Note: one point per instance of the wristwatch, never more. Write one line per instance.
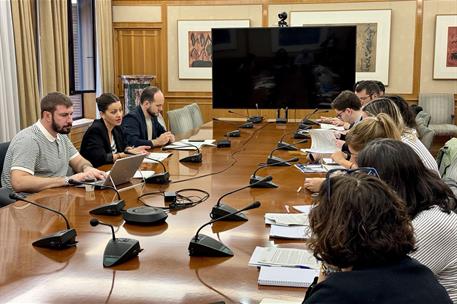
(66, 180)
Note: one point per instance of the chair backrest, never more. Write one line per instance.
(439, 105)
(3, 148)
(162, 121)
(180, 120)
(196, 114)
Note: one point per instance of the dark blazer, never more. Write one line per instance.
(96, 147)
(134, 125)
(405, 281)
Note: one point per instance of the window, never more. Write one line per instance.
(81, 39)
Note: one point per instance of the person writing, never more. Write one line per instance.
(362, 233)
(104, 143)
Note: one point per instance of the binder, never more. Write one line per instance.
(286, 276)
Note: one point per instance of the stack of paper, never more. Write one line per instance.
(290, 232)
(331, 127)
(310, 168)
(288, 257)
(287, 219)
(143, 174)
(286, 276)
(280, 301)
(187, 144)
(322, 141)
(305, 209)
(151, 157)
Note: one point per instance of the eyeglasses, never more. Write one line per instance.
(335, 172)
(338, 115)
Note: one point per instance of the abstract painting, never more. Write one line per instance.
(445, 63)
(195, 46)
(373, 37)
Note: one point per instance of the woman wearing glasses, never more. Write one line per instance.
(362, 227)
(429, 202)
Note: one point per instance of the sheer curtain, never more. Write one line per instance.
(9, 105)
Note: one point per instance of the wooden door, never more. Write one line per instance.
(137, 51)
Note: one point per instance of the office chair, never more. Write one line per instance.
(180, 120)
(4, 192)
(196, 114)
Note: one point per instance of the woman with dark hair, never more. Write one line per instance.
(405, 110)
(429, 202)
(103, 143)
(361, 227)
(408, 135)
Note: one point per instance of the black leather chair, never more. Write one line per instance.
(3, 148)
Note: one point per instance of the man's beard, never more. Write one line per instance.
(152, 113)
(62, 130)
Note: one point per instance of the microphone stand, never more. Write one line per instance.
(112, 209)
(59, 240)
(118, 250)
(195, 158)
(286, 146)
(277, 161)
(159, 178)
(221, 210)
(203, 245)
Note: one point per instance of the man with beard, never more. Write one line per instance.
(141, 126)
(39, 156)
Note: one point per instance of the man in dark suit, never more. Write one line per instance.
(141, 125)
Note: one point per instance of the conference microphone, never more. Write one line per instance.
(158, 178)
(118, 250)
(306, 121)
(256, 118)
(257, 181)
(59, 240)
(194, 158)
(286, 146)
(113, 208)
(277, 161)
(203, 245)
(249, 119)
(221, 210)
(234, 133)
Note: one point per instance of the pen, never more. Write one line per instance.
(299, 189)
(196, 140)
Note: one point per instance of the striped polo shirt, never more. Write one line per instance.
(436, 242)
(35, 151)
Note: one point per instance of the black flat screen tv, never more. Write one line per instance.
(272, 68)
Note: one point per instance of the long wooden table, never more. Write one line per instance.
(163, 272)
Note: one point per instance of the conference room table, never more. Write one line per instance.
(163, 272)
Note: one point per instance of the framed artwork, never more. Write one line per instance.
(445, 63)
(195, 46)
(373, 37)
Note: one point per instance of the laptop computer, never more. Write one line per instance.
(122, 171)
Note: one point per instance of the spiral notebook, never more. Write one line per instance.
(286, 276)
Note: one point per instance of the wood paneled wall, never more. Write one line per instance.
(141, 48)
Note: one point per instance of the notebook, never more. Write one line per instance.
(286, 276)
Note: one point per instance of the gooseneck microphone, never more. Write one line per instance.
(306, 121)
(118, 250)
(59, 240)
(158, 178)
(203, 245)
(221, 210)
(286, 146)
(114, 208)
(277, 161)
(194, 158)
(257, 181)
